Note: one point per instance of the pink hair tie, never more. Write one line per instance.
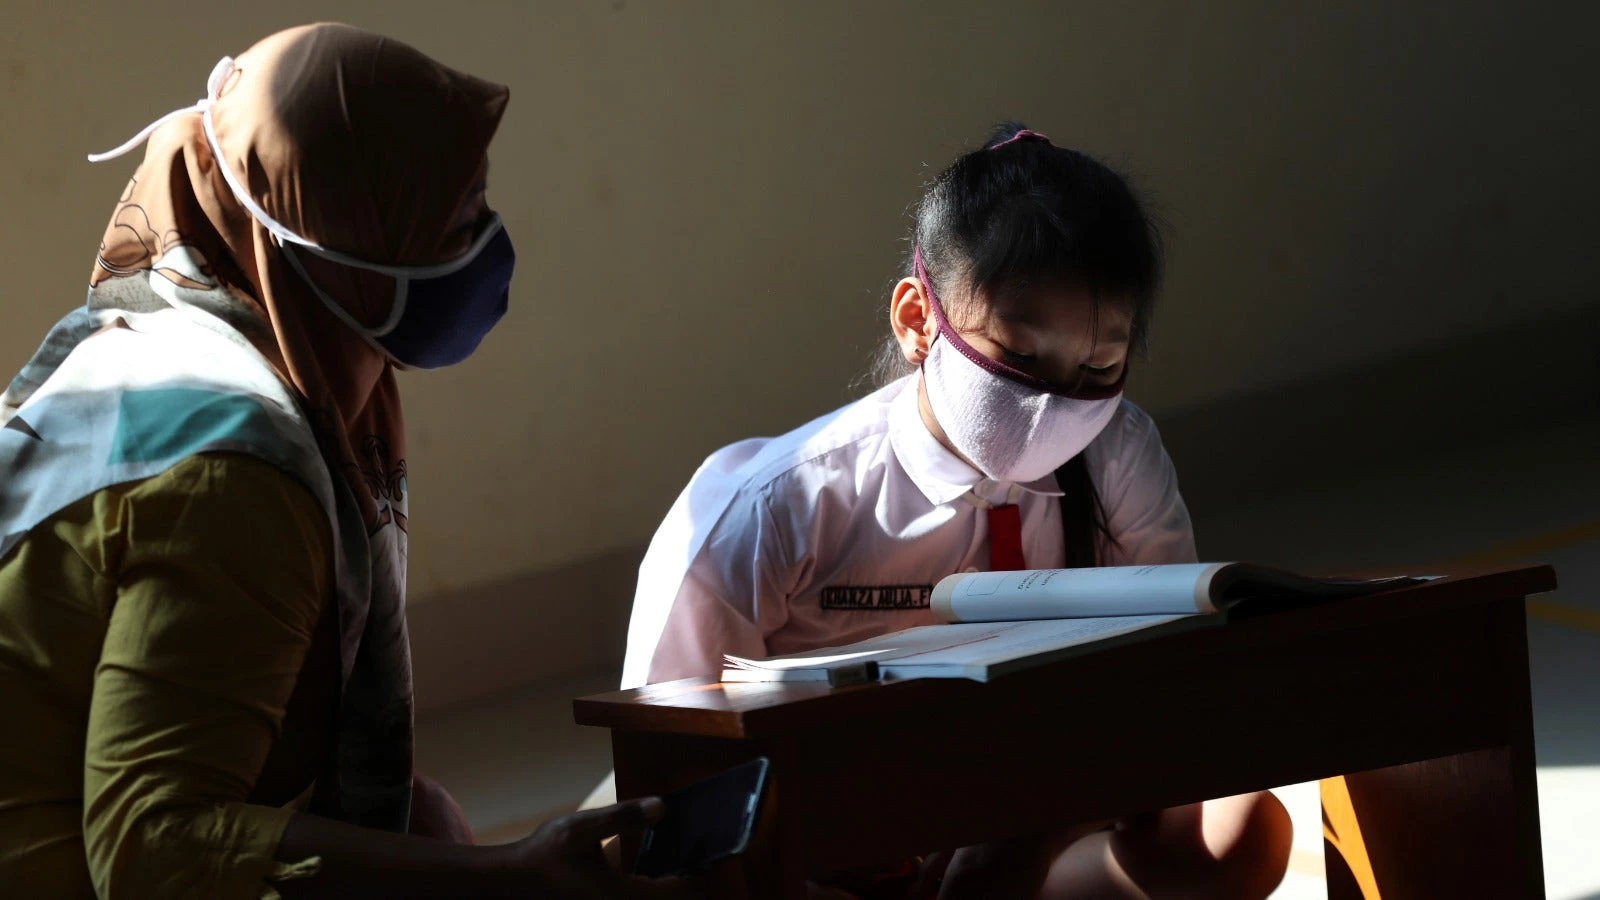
(1020, 135)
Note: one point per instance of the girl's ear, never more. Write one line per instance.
(911, 319)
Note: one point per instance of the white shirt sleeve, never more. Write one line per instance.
(1138, 487)
(728, 599)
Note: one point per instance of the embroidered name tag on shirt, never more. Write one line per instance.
(885, 596)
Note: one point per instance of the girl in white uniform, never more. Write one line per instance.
(1000, 439)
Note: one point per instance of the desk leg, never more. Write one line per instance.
(773, 868)
(1459, 826)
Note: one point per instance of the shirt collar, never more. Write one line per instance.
(939, 474)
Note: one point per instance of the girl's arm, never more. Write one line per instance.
(1138, 486)
(728, 598)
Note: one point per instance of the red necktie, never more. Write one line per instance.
(1005, 538)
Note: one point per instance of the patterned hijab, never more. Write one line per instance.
(365, 146)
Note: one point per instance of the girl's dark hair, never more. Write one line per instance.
(1021, 210)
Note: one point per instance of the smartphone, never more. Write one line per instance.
(706, 821)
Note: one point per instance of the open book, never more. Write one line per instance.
(1002, 622)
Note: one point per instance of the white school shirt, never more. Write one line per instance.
(836, 532)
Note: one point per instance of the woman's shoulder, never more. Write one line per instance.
(227, 478)
(209, 501)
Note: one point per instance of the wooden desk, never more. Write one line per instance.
(1417, 697)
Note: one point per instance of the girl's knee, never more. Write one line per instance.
(1234, 847)
(1248, 838)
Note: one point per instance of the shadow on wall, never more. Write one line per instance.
(1249, 446)
(522, 629)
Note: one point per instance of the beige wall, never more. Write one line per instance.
(709, 198)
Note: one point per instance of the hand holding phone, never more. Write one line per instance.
(563, 858)
(704, 822)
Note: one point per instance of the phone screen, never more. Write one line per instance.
(706, 821)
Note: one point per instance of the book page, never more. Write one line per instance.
(884, 646)
(816, 659)
(1072, 593)
(974, 643)
(978, 644)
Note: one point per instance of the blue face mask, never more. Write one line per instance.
(440, 313)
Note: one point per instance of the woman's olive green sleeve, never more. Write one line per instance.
(222, 571)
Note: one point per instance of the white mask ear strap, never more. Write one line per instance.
(279, 232)
(219, 74)
(213, 84)
(283, 235)
(369, 335)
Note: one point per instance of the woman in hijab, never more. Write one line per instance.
(203, 503)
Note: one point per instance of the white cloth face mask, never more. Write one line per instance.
(1007, 423)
